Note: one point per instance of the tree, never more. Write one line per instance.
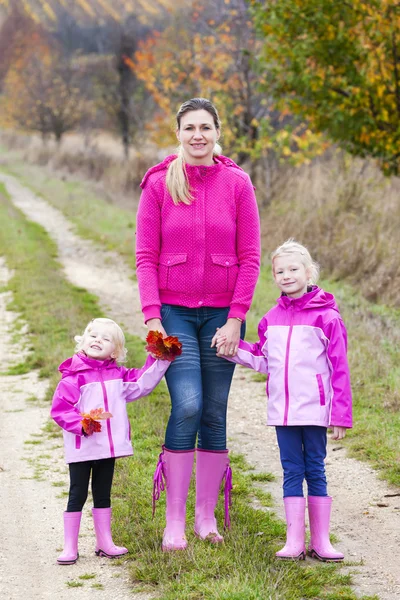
(41, 93)
(337, 64)
(210, 49)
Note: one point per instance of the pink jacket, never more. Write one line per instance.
(303, 351)
(203, 254)
(86, 384)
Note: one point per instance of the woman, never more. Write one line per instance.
(198, 255)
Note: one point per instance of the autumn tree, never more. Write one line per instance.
(338, 65)
(210, 49)
(41, 93)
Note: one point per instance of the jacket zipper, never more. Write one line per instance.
(106, 407)
(285, 418)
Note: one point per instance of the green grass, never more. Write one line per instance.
(244, 567)
(94, 217)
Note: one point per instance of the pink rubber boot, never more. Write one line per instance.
(72, 522)
(102, 526)
(211, 468)
(176, 467)
(319, 512)
(295, 548)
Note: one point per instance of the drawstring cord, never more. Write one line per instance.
(158, 481)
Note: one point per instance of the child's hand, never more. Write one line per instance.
(165, 348)
(338, 433)
(91, 421)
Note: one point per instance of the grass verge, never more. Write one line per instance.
(244, 567)
(95, 217)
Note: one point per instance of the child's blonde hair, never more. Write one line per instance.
(293, 247)
(117, 335)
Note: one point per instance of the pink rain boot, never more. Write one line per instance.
(295, 507)
(102, 526)
(72, 522)
(319, 512)
(211, 468)
(176, 466)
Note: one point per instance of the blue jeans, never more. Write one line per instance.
(303, 453)
(198, 380)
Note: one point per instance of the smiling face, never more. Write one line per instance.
(98, 342)
(198, 135)
(290, 274)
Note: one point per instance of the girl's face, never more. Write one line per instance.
(290, 274)
(198, 136)
(98, 342)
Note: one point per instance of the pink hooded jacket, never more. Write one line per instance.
(87, 384)
(303, 351)
(203, 254)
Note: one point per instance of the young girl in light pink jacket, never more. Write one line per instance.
(92, 380)
(302, 349)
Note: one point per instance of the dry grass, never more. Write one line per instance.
(98, 157)
(348, 214)
(342, 208)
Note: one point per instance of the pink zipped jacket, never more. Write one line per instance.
(302, 349)
(87, 384)
(203, 254)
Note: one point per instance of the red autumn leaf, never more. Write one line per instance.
(90, 421)
(165, 348)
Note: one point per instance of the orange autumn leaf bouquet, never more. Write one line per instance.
(91, 421)
(165, 348)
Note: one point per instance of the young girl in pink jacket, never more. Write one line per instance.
(198, 256)
(90, 405)
(303, 351)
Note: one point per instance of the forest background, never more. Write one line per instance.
(297, 83)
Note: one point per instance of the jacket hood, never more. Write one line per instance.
(163, 166)
(316, 298)
(80, 362)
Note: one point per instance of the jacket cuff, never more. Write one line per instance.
(151, 312)
(237, 311)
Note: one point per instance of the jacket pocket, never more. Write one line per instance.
(172, 272)
(77, 442)
(268, 376)
(321, 390)
(224, 272)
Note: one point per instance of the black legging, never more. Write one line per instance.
(102, 477)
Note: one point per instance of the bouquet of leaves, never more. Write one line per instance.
(91, 421)
(165, 348)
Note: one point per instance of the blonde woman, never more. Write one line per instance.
(198, 255)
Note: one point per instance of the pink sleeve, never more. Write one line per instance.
(253, 356)
(148, 236)
(141, 382)
(63, 409)
(248, 251)
(341, 411)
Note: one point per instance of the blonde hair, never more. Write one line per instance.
(177, 180)
(117, 335)
(293, 247)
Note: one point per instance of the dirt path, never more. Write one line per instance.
(369, 534)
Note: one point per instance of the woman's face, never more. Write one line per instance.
(198, 136)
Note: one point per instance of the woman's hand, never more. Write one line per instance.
(338, 433)
(155, 325)
(229, 335)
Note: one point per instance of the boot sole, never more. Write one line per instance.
(212, 537)
(314, 554)
(105, 555)
(68, 562)
(301, 556)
